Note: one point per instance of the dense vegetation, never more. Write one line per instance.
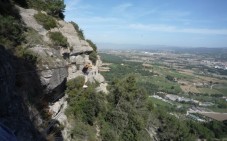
(11, 31)
(11, 28)
(161, 117)
(121, 115)
(145, 78)
(127, 113)
(84, 107)
(54, 8)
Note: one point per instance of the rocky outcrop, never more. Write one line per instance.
(94, 75)
(57, 65)
(77, 45)
(27, 16)
(54, 67)
(102, 88)
(58, 109)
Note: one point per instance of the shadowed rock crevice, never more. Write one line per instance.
(23, 106)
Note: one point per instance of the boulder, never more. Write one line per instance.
(102, 88)
(99, 61)
(99, 78)
(79, 59)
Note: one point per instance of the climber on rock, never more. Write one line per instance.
(86, 69)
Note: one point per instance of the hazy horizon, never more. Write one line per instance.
(139, 46)
(181, 23)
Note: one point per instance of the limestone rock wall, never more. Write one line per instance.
(64, 68)
(54, 67)
(53, 58)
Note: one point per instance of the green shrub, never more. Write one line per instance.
(52, 7)
(109, 134)
(32, 37)
(83, 131)
(37, 4)
(11, 31)
(76, 83)
(93, 57)
(92, 45)
(58, 39)
(27, 55)
(56, 8)
(47, 21)
(78, 30)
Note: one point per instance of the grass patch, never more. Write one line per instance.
(32, 37)
(82, 131)
(164, 85)
(58, 39)
(180, 75)
(159, 102)
(208, 91)
(221, 88)
(11, 31)
(215, 109)
(46, 21)
(166, 71)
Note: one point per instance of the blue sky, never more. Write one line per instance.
(183, 23)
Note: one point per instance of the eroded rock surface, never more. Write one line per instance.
(54, 67)
(77, 45)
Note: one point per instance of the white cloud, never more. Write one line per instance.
(122, 7)
(153, 27)
(205, 31)
(169, 28)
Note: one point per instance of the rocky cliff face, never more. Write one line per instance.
(55, 68)
(15, 112)
(78, 52)
(32, 94)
